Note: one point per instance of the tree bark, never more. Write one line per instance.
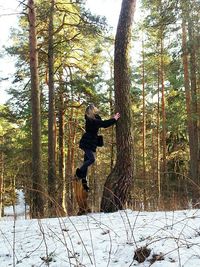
(118, 183)
(164, 149)
(69, 172)
(158, 138)
(51, 120)
(193, 79)
(37, 206)
(1, 178)
(143, 127)
(187, 92)
(112, 128)
(61, 153)
(72, 128)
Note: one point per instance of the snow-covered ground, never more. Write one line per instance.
(101, 240)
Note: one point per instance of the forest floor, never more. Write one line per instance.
(121, 239)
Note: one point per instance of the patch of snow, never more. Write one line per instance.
(103, 240)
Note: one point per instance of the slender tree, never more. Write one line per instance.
(143, 122)
(193, 82)
(51, 118)
(143, 115)
(1, 176)
(187, 88)
(190, 83)
(118, 183)
(164, 146)
(158, 136)
(37, 207)
(61, 146)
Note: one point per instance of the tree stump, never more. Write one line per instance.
(81, 197)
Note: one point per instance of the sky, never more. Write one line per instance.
(172, 239)
(8, 9)
(7, 20)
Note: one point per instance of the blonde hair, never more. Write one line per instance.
(90, 111)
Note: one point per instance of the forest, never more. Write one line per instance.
(66, 57)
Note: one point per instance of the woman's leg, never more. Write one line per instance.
(89, 159)
(81, 173)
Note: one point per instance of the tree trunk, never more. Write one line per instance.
(153, 135)
(51, 121)
(61, 153)
(164, 149)
(118, 183)
(187, 92)
(72, 128)
(112, 129)
(1, 179)
(37, 206)
(193, 79)
(93, 183)
(143, 128)
(158, 139)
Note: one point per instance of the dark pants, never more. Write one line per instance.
(89, 158)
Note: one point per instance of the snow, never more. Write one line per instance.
(103, 239)
(19, 209)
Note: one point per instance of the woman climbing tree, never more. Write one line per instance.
(89, 143)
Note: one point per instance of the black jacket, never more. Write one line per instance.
(89, 140)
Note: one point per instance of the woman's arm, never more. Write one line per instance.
(107, 123)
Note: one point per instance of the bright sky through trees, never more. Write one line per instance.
(8, 18)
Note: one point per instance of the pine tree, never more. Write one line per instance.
(118, 183)
(37, 207)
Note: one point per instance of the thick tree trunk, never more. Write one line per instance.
(37, 206)
(112, 129)
(51, 121)
(119, 182)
